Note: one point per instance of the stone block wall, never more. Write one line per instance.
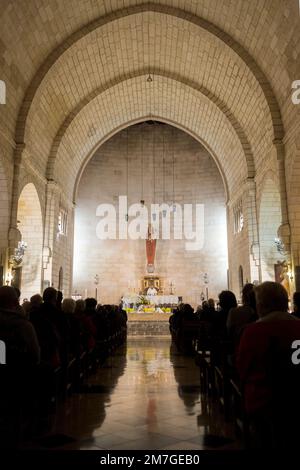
(121, 264)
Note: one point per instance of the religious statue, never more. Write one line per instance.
(150, 250)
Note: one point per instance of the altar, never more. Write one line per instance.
(163, 299)
(150, 297)
(150, 303)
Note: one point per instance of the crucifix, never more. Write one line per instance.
(150, 249)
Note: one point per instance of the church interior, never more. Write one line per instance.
(149, 224)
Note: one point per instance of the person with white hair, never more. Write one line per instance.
(68, 306)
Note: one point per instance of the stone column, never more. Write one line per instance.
(14, 234)
(284, 231)
(50, 230)
(253, 237)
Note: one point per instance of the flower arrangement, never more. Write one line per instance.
(142, 300)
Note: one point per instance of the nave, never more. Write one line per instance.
(149, 186)
(145, 396)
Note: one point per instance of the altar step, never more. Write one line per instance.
(148, 328)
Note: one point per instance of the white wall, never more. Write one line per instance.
(118, 262)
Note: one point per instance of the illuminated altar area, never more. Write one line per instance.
(151, 298)
(148, 312)
(148, 163)
(150, 303)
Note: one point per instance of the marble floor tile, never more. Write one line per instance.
(146, 396)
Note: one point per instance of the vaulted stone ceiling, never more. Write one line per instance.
(76, 72)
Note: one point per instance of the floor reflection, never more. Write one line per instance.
(146, 396)
(187, 376)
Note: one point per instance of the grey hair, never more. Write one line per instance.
(271, 297)
(68, 306)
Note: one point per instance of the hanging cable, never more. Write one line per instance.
(142, 166)
(164, 178)
(173, 165)
(127, 173)
(153, 158)
(154, 175)
(149, 79)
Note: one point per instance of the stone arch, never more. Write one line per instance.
(140, 120)
(202, 118)
(30, 225)
(90, 195)
(269, 223)
(157, 72)
(4, 220)
(264, 97)
(217, 32)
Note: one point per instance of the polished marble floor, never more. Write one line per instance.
(146, 396)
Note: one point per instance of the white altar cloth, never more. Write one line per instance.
(153, 299)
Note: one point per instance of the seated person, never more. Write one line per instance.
(16, 331)
(296, 302)
(255, 355)
(207, 312)
(227, 301)
(238, 317)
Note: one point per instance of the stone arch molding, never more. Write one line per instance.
(236, 127)
(245, 57)
(14, 234)
(208, 124)
(4, 207)
(140, 120)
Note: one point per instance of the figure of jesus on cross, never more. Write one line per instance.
(150, 250)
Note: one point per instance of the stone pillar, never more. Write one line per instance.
(52, 191)
(284, 231)
(253, 237)
(243, 246)
(14, 235)
(291, 246)
(71, 233)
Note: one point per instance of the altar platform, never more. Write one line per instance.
(148, 324)
(144, 316)
(135, 299)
